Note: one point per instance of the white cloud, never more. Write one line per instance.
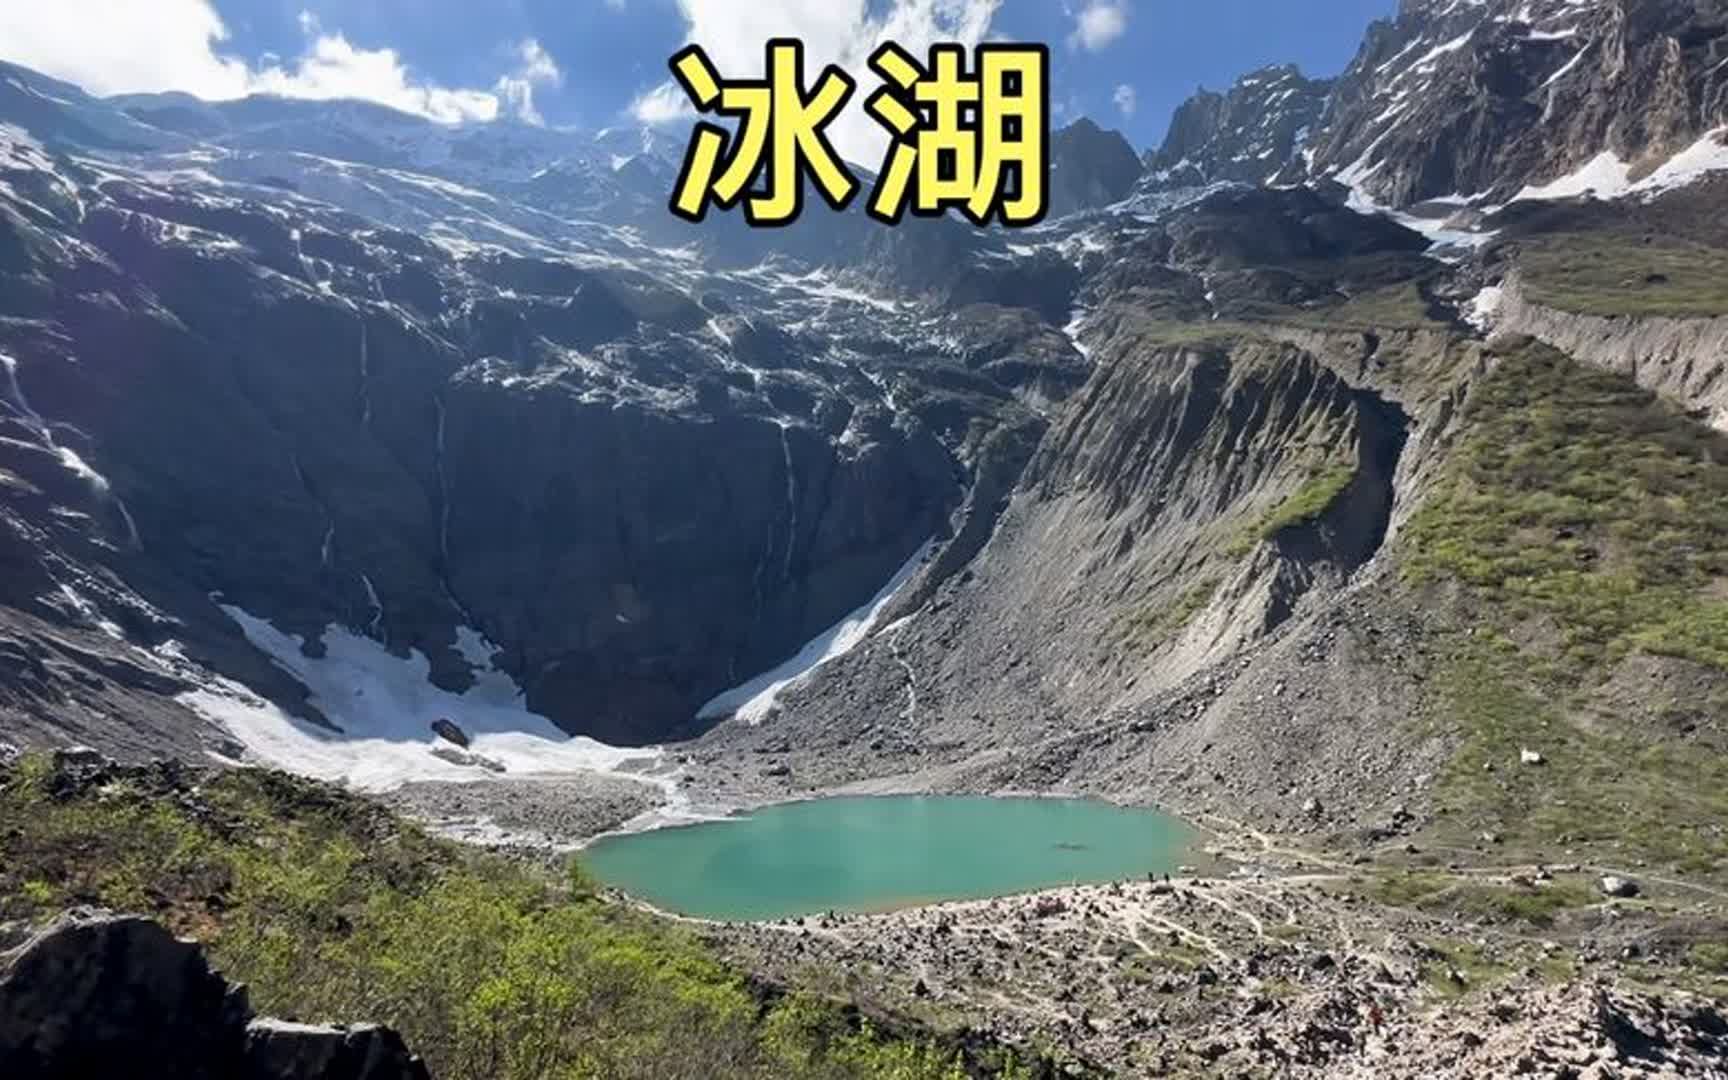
(516, 90)
(115, 47)
(1126, 99)
(1099, 24)
(841, 32)
(332, 67)
(664, 104)
(128, 46)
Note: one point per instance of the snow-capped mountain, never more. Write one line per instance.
(341, 367)
(1480, 98)
(1250, 134)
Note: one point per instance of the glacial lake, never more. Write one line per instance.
(877, 854)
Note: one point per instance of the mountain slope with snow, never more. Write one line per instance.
(354, 372)
(1473, 98)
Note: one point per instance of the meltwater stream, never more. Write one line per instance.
(873, 854)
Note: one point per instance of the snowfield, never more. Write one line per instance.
(384, 705)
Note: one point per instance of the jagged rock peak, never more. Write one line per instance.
(1485, 97)
(1090, 167)
(1249, 134)
(1470, 97)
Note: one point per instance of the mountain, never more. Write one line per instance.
(351, 302)
(1346, 477)
(1251, 134)
(1477, 99)
(1089, 167)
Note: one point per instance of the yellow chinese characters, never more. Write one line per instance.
(979, 144)
(974, 141)
(781, 129)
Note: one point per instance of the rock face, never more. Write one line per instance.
(94, 995)
(1470, 99)
(1250, 134)
(1089, 167)
(641, 483)
(97, 995)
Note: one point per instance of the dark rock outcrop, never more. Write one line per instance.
(1089, 167)
(448, 730)
(97, 995)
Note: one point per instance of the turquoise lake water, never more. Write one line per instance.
(872, 854)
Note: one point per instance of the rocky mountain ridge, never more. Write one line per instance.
(364, 441)
(381, 317)
(1474, 100)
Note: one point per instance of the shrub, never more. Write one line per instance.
(330, 908)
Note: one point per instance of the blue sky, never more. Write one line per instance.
(590, 63)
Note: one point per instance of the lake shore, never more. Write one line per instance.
(556, 814)
(1274, 955)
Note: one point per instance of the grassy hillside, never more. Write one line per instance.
(1588, 525)
(1581, 500)
(330, 908)
(1625, 272)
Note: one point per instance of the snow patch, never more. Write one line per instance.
(1707, 155)
(1076, 326)
(753, 700)
(76, 604)
(1606, 177)
(385, 705)
(1445, 240)
(1484, 307)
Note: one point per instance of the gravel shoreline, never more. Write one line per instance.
(1264, 955)
(553, 813)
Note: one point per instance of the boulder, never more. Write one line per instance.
(448, 730)
(467, 760)
(1619, 887)
(96, 994)
(277, 1050)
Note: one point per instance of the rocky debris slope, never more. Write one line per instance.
(1592, 1032)
(1197, 508)
(545, 814)
(1296, 977)
(97, 994)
